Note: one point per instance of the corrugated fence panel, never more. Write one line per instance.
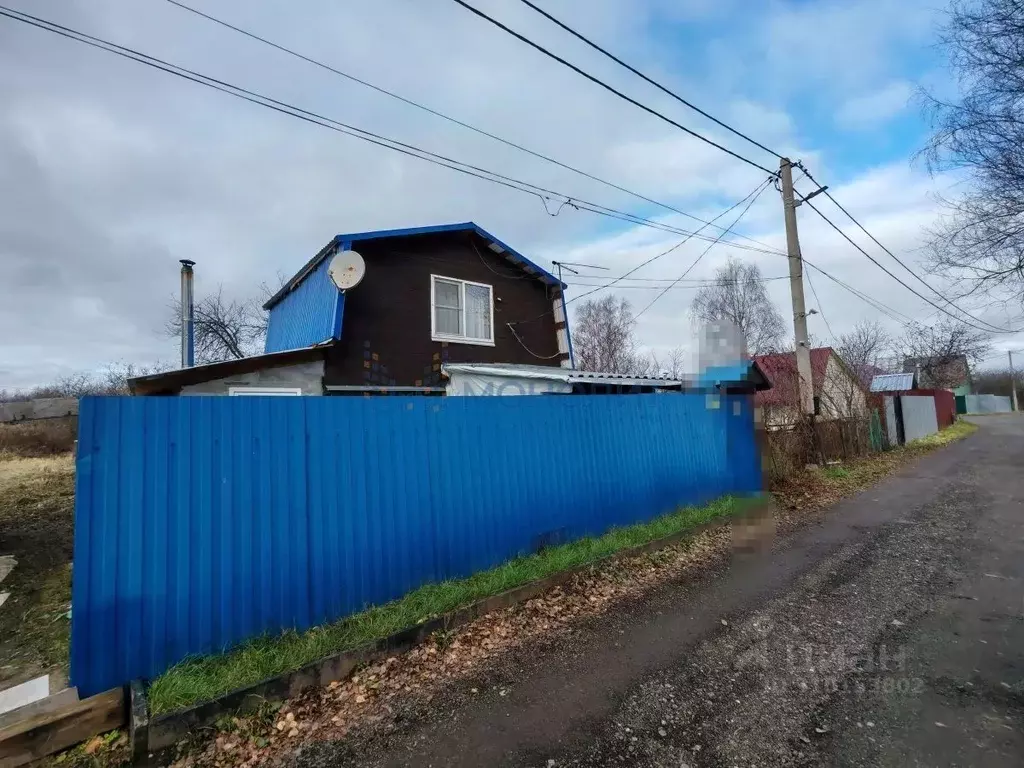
(987, 404)
(919, 416)
(200, 522)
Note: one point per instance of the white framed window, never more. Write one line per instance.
(461, 311)
(264, 391)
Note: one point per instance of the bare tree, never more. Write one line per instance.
(603, 338)
(114, 380)
(866, 349)
(224, 329)
(982, 133)
(68, 385)
(671, 363)
(739, 296)
(942, 354)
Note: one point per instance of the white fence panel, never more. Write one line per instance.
(987, 404)
(919, 418)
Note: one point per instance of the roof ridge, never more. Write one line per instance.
(510, 254)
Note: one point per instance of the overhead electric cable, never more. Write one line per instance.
(443, 116)
(647, 79)
(705, 251)
(756, 191)
(898, 280)
(350, 130)
(611, 89)
(821, 309)
(895, 258)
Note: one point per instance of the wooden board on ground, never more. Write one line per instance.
(44, 733)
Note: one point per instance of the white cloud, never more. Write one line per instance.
(869, 110)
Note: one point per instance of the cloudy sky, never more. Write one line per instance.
(112, 171)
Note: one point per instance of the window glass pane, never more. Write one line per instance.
(478, 312)
(448, 321)
(446, 294)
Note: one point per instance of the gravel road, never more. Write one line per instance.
(891, 633)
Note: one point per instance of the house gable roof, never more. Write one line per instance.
(781, 371)
(952, 371)
(349, 240)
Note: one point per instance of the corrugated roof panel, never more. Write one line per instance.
(309, 315)
(893, 382)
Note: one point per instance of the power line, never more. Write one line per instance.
(893, 255)
(821, 309)
(744, 136)
(394, 145)
(693, 283)
(704, 253)
(647, 79)
(603, 84)
(657, 256)
(886, 310)
(875, 261)
(349, 130)
(691, 287)
(753, 194)
(443, 116)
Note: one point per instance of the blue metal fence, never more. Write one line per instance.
(203, 521)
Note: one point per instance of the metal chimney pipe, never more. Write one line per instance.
(187, 324)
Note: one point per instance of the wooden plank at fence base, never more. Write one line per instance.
(44, 733)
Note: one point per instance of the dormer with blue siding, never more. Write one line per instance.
(310, 311)
(430, 295)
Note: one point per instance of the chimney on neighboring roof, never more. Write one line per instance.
(187, 323)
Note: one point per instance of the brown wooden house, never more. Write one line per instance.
(430, 296)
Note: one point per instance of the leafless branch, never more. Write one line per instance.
(224, 329)
(982, 134)
(603, 338)
(738, 295)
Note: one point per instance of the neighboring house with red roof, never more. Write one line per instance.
(838, 391)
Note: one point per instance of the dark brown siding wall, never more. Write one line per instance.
(385, 337)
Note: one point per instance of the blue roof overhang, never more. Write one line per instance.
(349, 241)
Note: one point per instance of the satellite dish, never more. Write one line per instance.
(346, 270)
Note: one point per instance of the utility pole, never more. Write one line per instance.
(1013, 381)
(796, 286)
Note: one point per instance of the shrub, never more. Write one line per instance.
(44, 437)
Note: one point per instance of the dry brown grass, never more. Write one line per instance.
(46, 437)
(37, 527)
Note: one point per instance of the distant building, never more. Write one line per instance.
(838, 391)
(952, 372)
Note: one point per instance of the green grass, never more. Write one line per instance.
(959, 430)
(205, 678)
(836, 473)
